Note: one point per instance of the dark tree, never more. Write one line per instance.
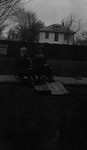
(28, 25)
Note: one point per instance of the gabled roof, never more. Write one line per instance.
(56, 28)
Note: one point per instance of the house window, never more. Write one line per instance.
(56, 37)
(47, 35)
(66, 36)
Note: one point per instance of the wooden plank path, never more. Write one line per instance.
(82, 81)
(3, 78)
(8, 79)
(63, 80)
(12, 79)
(67, 80)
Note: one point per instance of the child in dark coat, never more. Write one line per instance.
(23, 63)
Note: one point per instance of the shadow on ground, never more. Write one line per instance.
(29, 120)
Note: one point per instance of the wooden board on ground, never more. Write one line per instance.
(42, 88)
(57, 88)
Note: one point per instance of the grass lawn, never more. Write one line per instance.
(29, 120)
(69, 68)
(60, 67)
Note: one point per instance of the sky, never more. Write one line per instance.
(53, 11)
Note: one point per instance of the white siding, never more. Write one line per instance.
(43, 40)
(51, 39)
(71, 39)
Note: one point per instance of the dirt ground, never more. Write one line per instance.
(40, 121)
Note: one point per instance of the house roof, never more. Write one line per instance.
(56, 28)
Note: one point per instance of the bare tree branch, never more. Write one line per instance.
(71, 23)
(7, 6)
(27, 24)
(84, 34)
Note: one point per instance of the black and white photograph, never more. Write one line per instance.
(43, 74)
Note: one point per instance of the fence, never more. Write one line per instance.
(52, 51)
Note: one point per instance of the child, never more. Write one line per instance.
(41, 67)
(23, 63)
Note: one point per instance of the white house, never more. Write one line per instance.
(56, 34)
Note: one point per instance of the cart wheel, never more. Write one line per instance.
(18, 77)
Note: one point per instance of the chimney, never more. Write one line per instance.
(63, 24)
